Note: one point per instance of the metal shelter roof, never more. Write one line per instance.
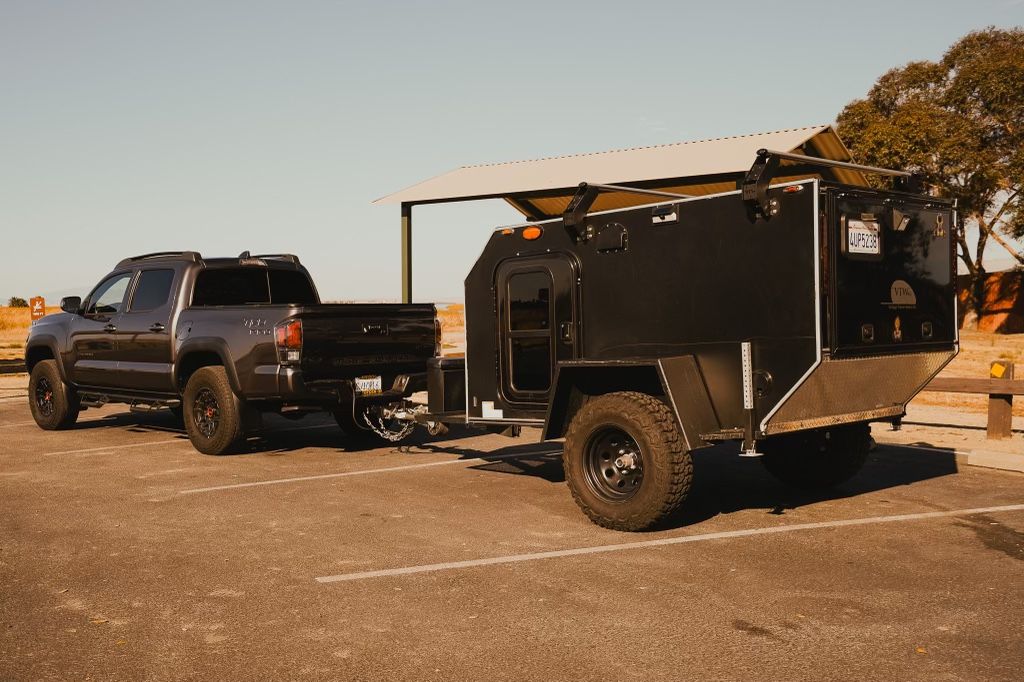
(542, 188)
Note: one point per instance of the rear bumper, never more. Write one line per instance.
(292, 387)
(854, 390)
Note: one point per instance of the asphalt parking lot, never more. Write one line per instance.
(125, 554)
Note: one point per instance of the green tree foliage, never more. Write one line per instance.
(17, 302)
(960, 123)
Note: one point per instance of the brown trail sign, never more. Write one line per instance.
(38, 306)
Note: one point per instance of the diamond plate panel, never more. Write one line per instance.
(857, 389)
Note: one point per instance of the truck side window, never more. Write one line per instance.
(109, 295)
(291, 287)
(231, 286)
(152, 290)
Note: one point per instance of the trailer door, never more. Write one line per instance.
(536, 300)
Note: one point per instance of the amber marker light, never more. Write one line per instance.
(532, 232)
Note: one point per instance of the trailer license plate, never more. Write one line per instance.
(368, 385)
(862, 237)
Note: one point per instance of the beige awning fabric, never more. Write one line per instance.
(543, 187)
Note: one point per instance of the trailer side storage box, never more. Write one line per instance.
(446, 385)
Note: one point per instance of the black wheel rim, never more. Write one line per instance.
(206, 412)
(614, 464)
(44, 397)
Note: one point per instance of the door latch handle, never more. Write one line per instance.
(565, 332)
(110, 328)
(157, 328)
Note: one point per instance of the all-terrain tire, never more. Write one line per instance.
(53, 403)
(819, 459)
(212, 412)
(353, 430)
(667, 469)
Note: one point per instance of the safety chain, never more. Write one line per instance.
(381, 429)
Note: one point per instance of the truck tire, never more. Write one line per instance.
(822, 458)
(212, 412)
(53, 403)
(352, 429)
(626, 461)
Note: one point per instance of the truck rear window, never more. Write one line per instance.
(250, 285)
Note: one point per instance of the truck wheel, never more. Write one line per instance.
(626, 461)
(212, 413)
(54, 404)
(818, 459)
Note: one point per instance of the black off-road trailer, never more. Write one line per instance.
(783, 317)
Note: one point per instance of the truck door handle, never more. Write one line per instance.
(157, 328)
(110, 328)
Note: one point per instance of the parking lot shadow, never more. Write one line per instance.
(725, 483)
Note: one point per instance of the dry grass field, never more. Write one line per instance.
(14, 323)
(978, 351)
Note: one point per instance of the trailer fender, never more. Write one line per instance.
(677, 380)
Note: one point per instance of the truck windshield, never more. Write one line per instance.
(248, 285)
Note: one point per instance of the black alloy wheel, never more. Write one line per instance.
(44, 397)
(206, 412)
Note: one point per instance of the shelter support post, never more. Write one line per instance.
(406, 252)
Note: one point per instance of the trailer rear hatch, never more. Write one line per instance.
(892, 288)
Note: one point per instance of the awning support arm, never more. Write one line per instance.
(755, 184)
(587, 193)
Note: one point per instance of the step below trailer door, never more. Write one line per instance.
(536, 297)
(892, 287)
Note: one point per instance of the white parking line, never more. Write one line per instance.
(364, 472)
(117, 447)
(661, 542)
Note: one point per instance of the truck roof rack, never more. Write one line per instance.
(193, 256)
(290, 257)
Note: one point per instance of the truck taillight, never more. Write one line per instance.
(288, 336)
(437, 336)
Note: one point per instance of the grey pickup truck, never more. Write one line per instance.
(220, 341)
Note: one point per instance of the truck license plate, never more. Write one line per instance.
(862, 237)
(368, 385)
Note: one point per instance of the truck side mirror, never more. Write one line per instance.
(71, 304)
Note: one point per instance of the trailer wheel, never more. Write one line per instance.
(626, 461)
(212, 413)
(823, 458)
(53, 403)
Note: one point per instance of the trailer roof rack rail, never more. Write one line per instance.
(587, 193)
(757, 179)
(193, 256)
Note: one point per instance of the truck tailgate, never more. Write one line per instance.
(343, 341)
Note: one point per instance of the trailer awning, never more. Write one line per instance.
(542, 188)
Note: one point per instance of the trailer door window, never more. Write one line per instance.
(529, 325)
(529, 301)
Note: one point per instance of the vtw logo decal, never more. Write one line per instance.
(901, 294)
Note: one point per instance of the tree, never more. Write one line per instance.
(960, 123)
(17, 302)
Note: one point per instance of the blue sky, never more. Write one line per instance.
(129, 127)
